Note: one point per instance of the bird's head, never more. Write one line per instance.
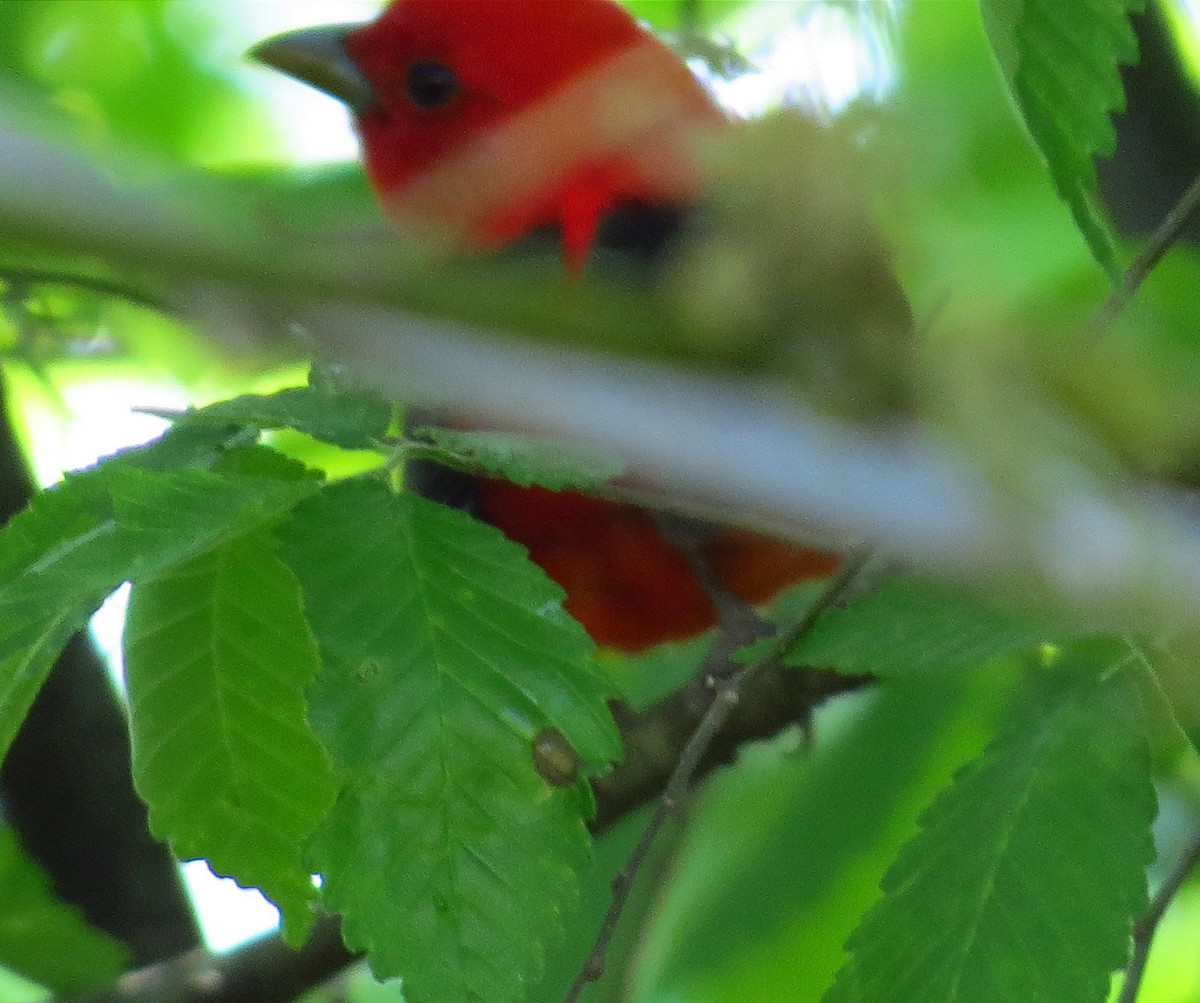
(481, 120)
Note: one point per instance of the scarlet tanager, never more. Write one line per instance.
(484, 120)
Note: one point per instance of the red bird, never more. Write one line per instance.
(484, 120)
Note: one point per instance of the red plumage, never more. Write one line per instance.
(481, 120)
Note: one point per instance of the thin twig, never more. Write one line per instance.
(1144, 929)
(105, 287)
(738, 622)
(1165, 234)
(780, 697)
(727, 693)
(434, 340)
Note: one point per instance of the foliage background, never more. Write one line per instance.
(968, 207)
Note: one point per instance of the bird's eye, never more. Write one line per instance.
(430, 85)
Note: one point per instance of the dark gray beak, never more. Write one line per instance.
(318, 57)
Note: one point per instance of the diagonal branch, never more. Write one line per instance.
(266, 971)
(430, 336)
(728, 691)
(1164, 237)
(1145, 928)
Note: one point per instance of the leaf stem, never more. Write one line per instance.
(1165, 234)
(726, 694)
(1145, 928)
(91, 283)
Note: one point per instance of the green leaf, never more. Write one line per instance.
(915, 626)
(673, 14)
(181, 446)
(78, 541)
(1061, 62)
(446, 652)
(350, 418)
(817, 832)
(1030, 868)
(525, 460)
(217, 657)
(43, 938)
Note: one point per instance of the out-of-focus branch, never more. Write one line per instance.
(266, 971)
(1146, 926)
(766, 458)
(1161, 240)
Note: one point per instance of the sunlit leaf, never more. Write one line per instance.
(217, 658)
(691, 14)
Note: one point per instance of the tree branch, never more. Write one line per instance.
(728, 691)
(731, 446)
(265, 971)
(773, 700)
(1164, 237)
(1145, 928)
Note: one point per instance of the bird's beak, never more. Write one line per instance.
(319, 58)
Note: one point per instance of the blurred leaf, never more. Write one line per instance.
(151, 73)
(978, 233)
(14, 989)
(43, 938)
(913, 625)
(1138, 387)
(1062, 66)
(1043, 840)
(217, 656)
(784, 271)
(323, 200)
(690, 14)
(445, 652)
(525, 460)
